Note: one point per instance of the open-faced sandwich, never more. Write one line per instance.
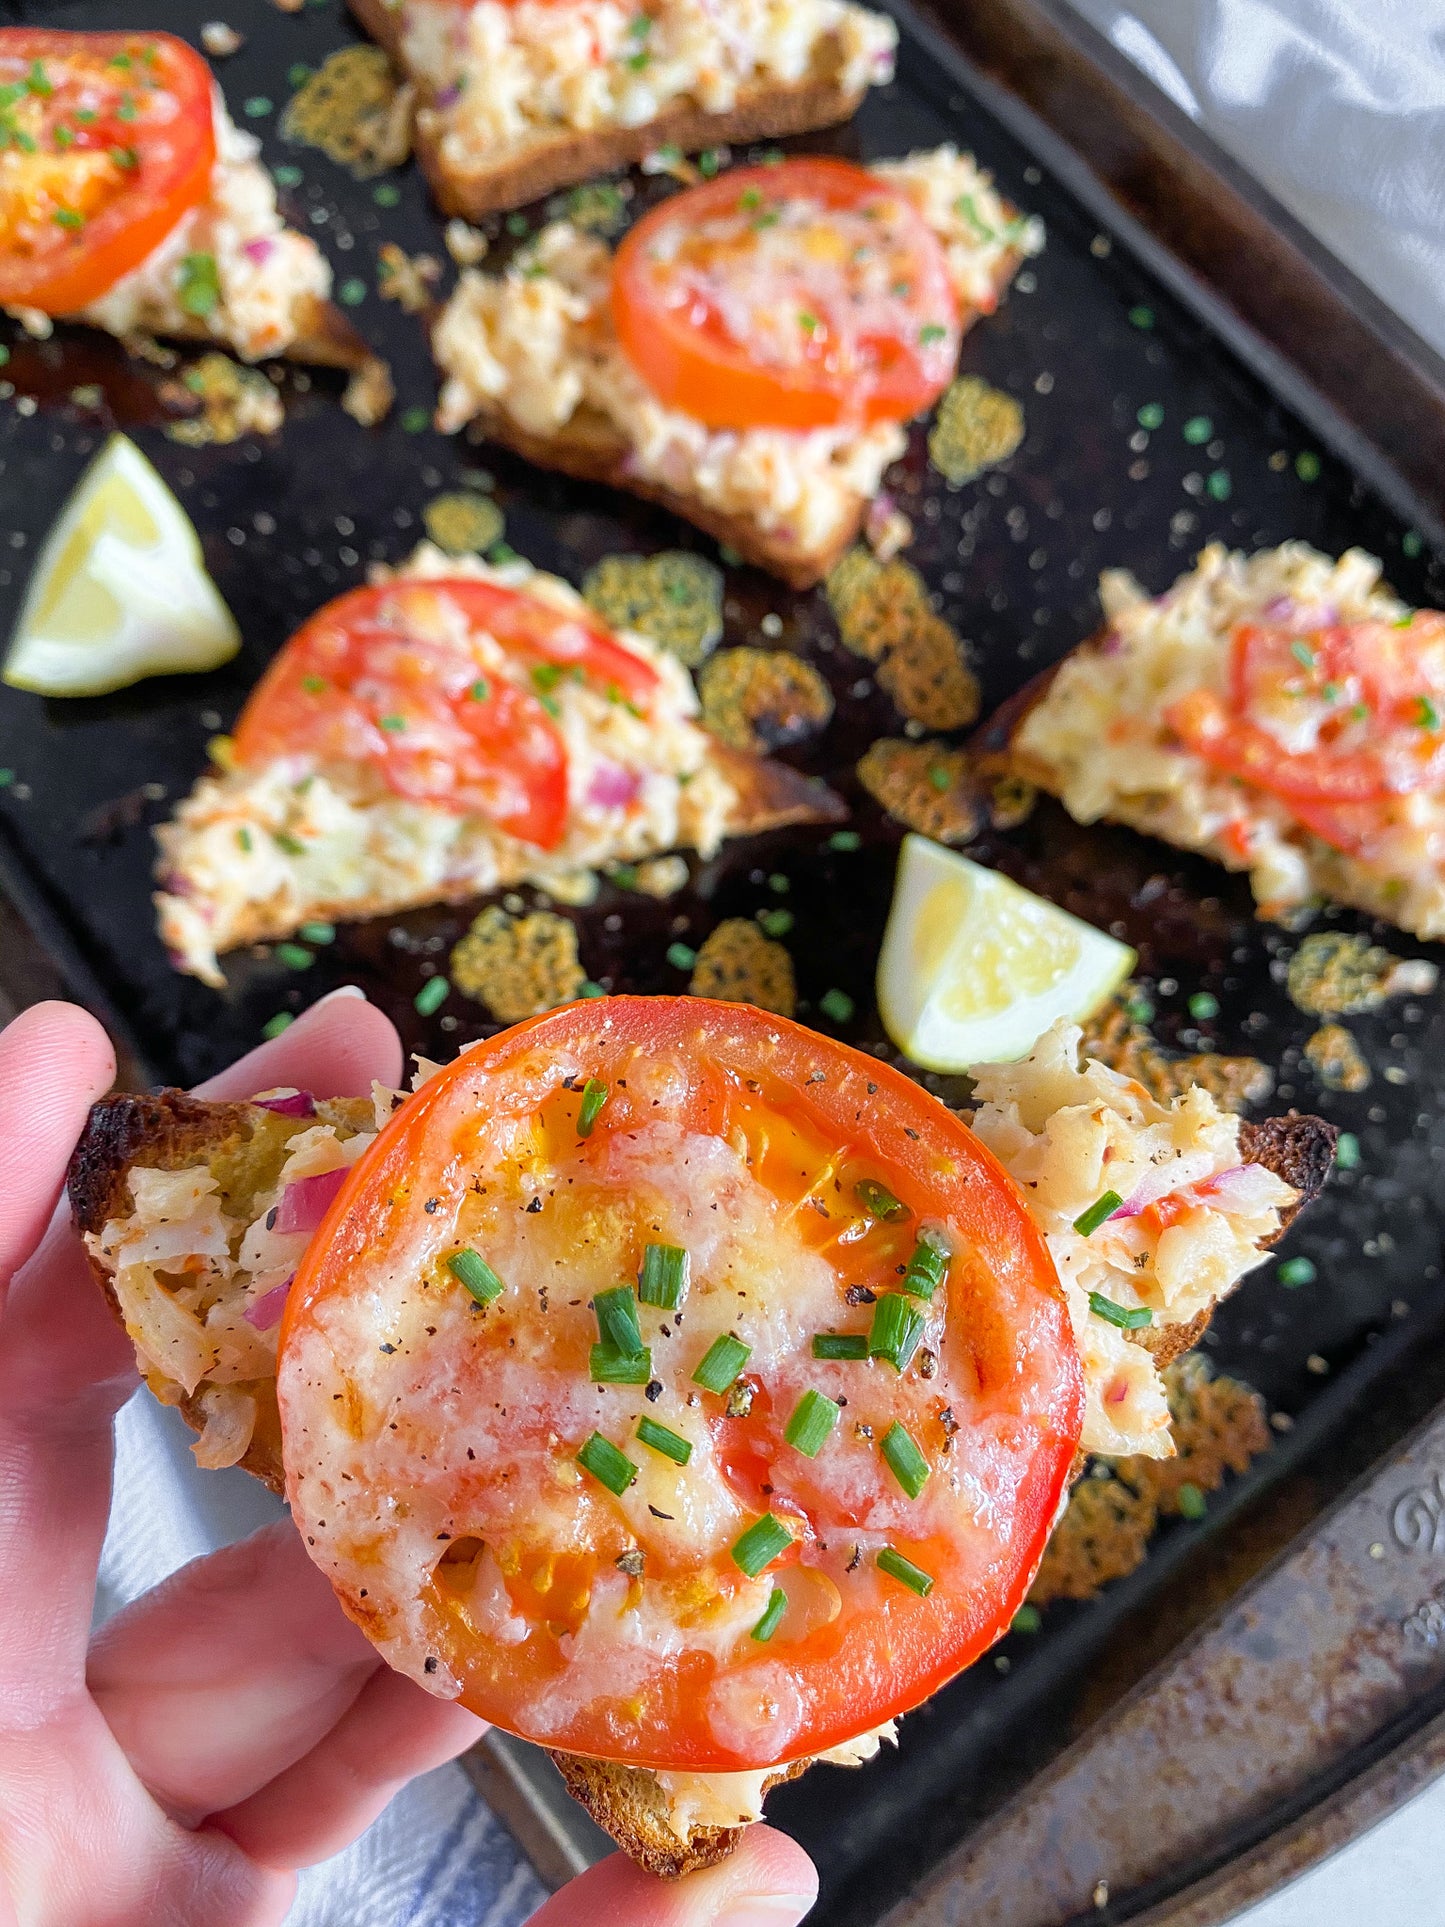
(518, 97)
(130, 202)
(452, 730)
(749, 355)
(677, 1388)
(1282, 712)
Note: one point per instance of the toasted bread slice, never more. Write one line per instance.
(243, 1148)
(551, 159)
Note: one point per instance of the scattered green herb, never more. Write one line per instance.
(432, 995)
(721, 1363)
(1088, 1222)
(606, 1464)
(471, 1269)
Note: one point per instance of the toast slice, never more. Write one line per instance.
(1093, 732)
(530, 359)
(473, 178)
(243, 1152)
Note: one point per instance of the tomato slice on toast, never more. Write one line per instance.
(619, 1403)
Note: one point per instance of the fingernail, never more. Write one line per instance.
(341, 990)
(765, 1910)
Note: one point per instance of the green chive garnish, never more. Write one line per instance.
(844, 841)
(471, 1269)
(1127, 1320)
(273, 1026)
(721, 1363)
(761, 1544)
(594, 1096)
(313, 685)
(480, 690)
(813, 1419)
(1203, 1006)
(394, 724)
(905, 1572)
(294, 956)
(608, 1366)
(1088, 1222)
(1303, 654)
(432, 995)
(617, 1319)
(663, 1278)
(777, 1605)
(606, 1464)
(318, 932)
(927, 1266)
(1427, 716)
(1347, 1151)
(879, 1202)
(897, 1328)
(681, 956)
(840, 1344)
(1295, 1272)
(649, 1432)
(1190, 1501)
(905, 1461)
(836, 1004)
(292, 845)
(1028, 1619)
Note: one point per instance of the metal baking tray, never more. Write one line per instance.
(1048, 1784)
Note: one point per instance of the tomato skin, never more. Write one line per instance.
(890, 1650)
(156, 110)
(800, 358)
(379, 677)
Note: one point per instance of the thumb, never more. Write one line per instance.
(768, 1882)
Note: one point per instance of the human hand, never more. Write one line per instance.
(232, 1725)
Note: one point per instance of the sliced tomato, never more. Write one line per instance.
(798, 296)
(402, 678)
(453, 1465)
(106, 141)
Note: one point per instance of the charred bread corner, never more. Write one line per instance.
(834, 300)
(518, 100)
(1283, 713)
(741, 1346)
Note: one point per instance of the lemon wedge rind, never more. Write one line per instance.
(974, 968)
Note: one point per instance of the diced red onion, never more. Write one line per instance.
(304, 1204)
(293, 1104)
(446, 97)
(260, 249)
(1244, 1187)
(612, 787)
(1279, 608)
(1164, 1181)
(1111, 645)
(267, 1310)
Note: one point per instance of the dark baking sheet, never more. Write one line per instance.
(1013, 561)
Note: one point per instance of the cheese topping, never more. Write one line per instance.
(1193, 1219)
(1099, 741)
(536, 344)
(263, 848)
(506, 77)
(696, 1800)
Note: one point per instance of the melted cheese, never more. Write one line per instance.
(696, 1800)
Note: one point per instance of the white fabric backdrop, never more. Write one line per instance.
(1340, 109)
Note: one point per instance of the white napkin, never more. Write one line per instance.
(1338, 106)
(436, 1857)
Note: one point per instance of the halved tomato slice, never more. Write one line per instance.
(106, 141)
(676, 1386)
(798, 296)
(444, 688)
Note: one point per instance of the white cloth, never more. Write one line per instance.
(436, 1857)
(1338, 106)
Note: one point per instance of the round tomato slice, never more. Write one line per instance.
(798, 296)
(106, 141)
(571, 1387)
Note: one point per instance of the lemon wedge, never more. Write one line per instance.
(974, 968)
(120, 590)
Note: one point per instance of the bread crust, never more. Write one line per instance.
(555, 160)
(172, 1130)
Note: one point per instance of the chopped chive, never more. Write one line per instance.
(352, 292)
(608, 1366)
(776, 923)
(669, 1444)
(1411, 543)
(471, 1269)
(589, 989)
(1203, 1006)
(416, 421)
(1347, 1151)
(273, 1026)
(897, 1328)
(518, 225)
(927, 1266)
(844, 841)
(480, 690)
(721, 1363)
(905, 1572)
(931, 331)
(905, 1461)
(836, 1004)
(292, 845)
(813, 1420)
(1427, 716)
(761, 1544)
(807, 322)
(1219, 485)
(432, 995)
(1190, 1501)
(287, 175)
(1295, 1272)
(617, 1320)
(1141, 317)
(708, 162)
(1198, 429)
(1307, 465)
(1151, 415)
(777, 1605)
(840, 1344)
(1088, 1222)
(318, 932)
(394, 724)
(1303, 654)
(664, 1276)
(1127, 1319)
(257, 107)
(681, 956)
(387, 195)
(879, 1202)
(243, 837)
(298, 73)
(314, 685)
(200, 285)
(606, 1464)
(67, 217)
(1028, 1619)
(294, 956)
(594, 1096)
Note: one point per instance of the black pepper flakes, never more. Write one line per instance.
(860, 1295)
(652, 1391)
(387, 1348)
(740, 1398)
(535, 1205)
(856, 1560)
(430, 1663)
(927, 1363)
(631, 1562)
